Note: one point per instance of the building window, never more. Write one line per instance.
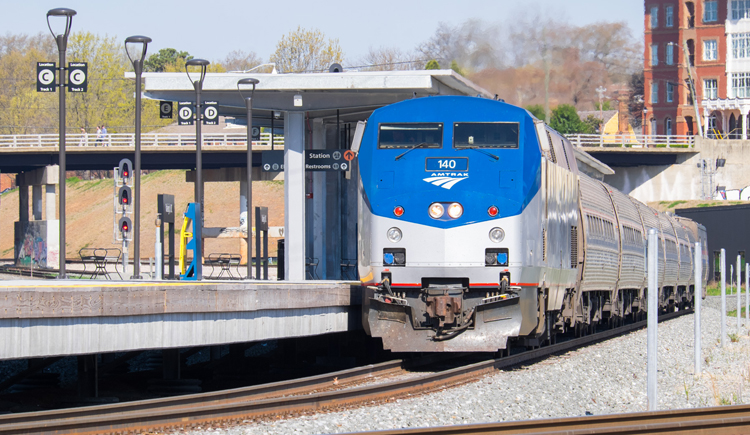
(740, 9)
(740, 45)
(740, 85)
(710, 89)
(709, 49)
(654, 55)
(654, 17)
(669, 55)
(668, 126)
(670, 92)
(669, 16)
(654, 93)
(710, 11)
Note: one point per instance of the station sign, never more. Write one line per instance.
(255, 134)
(326, 160)
(45, 77)
(210, 113)
(185, 113)
(272, 161)
(165, 109)
(78, 73)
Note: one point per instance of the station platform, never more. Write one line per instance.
(74, 317)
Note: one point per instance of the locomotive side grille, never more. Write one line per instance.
(551, 148)
(573, 247)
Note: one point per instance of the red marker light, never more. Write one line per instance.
(398, 211)
(125, 227)
(492, 211)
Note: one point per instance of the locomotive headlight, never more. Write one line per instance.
(455, 210)
(497, 235)
(436, 210)
(394, 235)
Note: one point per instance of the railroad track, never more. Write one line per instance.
(308, 395)
(716, 421)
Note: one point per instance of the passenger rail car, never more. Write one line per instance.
(475, 227)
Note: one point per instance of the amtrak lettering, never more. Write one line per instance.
(446, 180)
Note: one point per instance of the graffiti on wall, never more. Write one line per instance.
(33, 250)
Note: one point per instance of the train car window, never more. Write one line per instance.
(410, 135)
(485, 135)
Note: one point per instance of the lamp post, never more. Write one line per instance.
(198, 85)
(62, 45)
(136, 47)
(249, 195)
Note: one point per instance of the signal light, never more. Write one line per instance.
(493, 211)
(124, 196)
(398, 211)
(125, 171)
(125, 225)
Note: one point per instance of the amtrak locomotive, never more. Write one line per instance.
(475, 228)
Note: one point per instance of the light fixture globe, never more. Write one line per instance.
(247, 82)
(61, 12)
(135, 47)
(200, 63)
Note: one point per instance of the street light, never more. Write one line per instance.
(61, 37)
(198, 85)
(136, 47)
(249, 195)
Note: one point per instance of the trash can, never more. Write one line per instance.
(280, 260)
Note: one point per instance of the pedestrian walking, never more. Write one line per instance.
(104, 135)
(84, 138)
(98, 135)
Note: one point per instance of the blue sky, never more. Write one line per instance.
(211, 29)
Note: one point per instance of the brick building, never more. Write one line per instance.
(697, 28)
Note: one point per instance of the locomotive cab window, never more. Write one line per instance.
(410, 135)
(485, 135)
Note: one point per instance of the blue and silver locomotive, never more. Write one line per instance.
(475, 227)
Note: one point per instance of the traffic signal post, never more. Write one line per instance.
(123, 206)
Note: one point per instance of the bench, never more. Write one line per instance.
(224, 262)
(100, 258)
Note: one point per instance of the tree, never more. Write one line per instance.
(306, 50)
(433, 64)
(158, 62)
(471, 44)
(388, 59)
(635, 103)
(239, 60)
(536, 110)
(456, 68)
(566, 121)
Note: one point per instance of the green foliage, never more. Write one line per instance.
(306, 50)
(676, 203)
(605, 105)
(166, 56)
(536, 110)
(565, 120)
(456, 68)
(593, 123)
(433, 64)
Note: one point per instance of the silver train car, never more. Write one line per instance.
(476, 228)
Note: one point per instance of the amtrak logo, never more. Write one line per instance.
(446, 180)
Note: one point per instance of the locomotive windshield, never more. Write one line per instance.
(485, 135)
(403, 135)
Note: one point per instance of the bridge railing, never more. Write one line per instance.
(128, 140)
(631, 141)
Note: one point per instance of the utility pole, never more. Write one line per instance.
(601, 90)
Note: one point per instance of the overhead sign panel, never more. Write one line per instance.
(165, 109)
(272, 161)
(185, 113)
(325, 160)
(210, 113)
(45, 77)
(78, 77)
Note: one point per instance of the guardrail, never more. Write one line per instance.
(128, 140)
(631, 141)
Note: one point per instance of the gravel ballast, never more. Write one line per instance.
(605, 378)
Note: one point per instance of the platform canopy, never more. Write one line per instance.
(354, 94)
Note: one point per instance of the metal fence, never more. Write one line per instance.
(128, 140)
(632, 141)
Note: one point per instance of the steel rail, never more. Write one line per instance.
(243, 403)
(718, 420)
